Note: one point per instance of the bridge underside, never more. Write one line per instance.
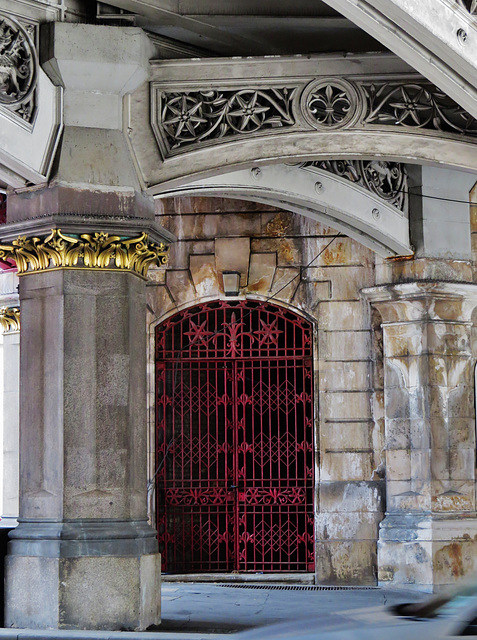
(307, 218)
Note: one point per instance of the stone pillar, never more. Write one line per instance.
(10, 323)
(83, 554)
(429, 534)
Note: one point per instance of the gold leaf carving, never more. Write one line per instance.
(88, 251)
(10, 319)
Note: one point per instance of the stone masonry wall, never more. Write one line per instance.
(272, 248)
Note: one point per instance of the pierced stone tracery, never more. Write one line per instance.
(186, 118)
(387, 180)
(18, 67)
(194, 117)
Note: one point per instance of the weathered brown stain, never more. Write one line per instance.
(453, 551)
(279, 224)
(336, 253)
(260, 285)
(287, 251)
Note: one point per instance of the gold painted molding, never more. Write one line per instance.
(87, 251)
(10, 319)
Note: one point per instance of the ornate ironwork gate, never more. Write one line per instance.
(234, 434)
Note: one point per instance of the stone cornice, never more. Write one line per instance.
(423, 301)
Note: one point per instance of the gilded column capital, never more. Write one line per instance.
(9, 319)
(92, 251)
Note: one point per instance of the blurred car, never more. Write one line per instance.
(452, 614)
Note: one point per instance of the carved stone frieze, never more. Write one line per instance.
(183, 119)
(416, 105)
(18, 66)
(209, 114)
(387, 180)
(86, 251)
(9, 319)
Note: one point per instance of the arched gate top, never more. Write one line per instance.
(234, 329)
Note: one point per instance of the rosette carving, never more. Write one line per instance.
(87, 251)
(18, 65)
(10, 319)
(330, 103)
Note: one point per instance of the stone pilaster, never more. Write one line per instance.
(11, 416)
(83, 555)
(428, 535)
(10, 329)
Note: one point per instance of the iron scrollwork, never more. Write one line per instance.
(18, 67)
(387, 180)
(200, 116)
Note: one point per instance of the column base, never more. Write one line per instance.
(82, 575)
(111, 593)
(426, 552)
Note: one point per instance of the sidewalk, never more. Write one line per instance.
(225, 608)
(198, 611)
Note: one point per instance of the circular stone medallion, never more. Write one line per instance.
(18, 63)
(330, 103)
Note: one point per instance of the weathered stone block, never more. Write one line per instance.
(344, 375)
(344, 345)
(288, 250)
(343, 497)
(453, 495)
(347, 465)
(405, 563)
(159, 299)
(340, 436)
(110, 593)
(350, 562)
(344, 315)
(446, 338)
(340, 405)
(233, 254)
(285, 283)
(404, 340)
(180, 286)
(261, 271)
(348, 526)
(343, 251)
(204, 275)
(398, 464)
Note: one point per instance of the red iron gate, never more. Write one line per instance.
(234, 418)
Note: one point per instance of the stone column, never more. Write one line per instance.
(83, 554)
(428, 536)
(10, 324)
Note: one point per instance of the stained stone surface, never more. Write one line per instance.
(394, 408)
(272, 250)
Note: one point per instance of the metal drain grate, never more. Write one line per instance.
(293, 587)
